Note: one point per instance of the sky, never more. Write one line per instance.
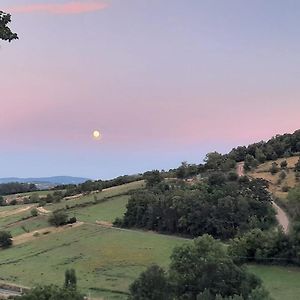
(164, 81)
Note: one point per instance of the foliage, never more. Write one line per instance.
(264, 247)
(5, 32)
(70, 279)
(151, 285)
(152, 178)
(51, 292)
(219, 208)
(16, 187)
(5, 239)
(279, 146)
(58, 218)
(274, 168)
(201, 270)
(34, 212)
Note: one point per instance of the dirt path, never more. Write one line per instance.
(33, 235)
(42, 210)
(281, 216)
(15, 212)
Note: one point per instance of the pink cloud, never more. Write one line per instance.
(73, 7)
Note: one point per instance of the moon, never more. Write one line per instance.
(96, 135)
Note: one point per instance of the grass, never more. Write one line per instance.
(107, 193)
(107, 260)
(106, 211)
(281, 282)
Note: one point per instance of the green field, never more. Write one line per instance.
(107, 260)
(107, 193)
(281, 282)
(106, 211)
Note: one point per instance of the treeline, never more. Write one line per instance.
(16, 188)
(221, 206)
(285, 145)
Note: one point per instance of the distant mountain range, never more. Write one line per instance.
(55, 180)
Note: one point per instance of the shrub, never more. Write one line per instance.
(34, 212)
(5, 239)
(58, 218)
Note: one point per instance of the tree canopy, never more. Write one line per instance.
(5, 32)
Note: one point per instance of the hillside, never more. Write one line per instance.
(277, 186)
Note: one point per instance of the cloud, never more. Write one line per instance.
(73, 7)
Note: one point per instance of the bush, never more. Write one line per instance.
(5, 239)
(72, 220)
(34, 212)
(274, 168)
(283, 164)
(58, 218)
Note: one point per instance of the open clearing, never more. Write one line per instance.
(281, 282)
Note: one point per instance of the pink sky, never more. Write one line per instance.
(149, 75)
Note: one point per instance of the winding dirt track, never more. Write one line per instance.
(281, 216)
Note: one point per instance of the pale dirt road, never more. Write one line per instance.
(26, 237)
(281, 216)
(15, 212)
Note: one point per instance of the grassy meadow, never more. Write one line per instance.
(281, 282)
(107, 260)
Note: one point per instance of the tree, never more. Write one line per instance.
(5, 32)
(58, 218)
(70, 279)
(51, 292)
(283, 164)
(274, 168)
(34, 212)
(152, 178)
(5, 239)
(206, 265)
(2, 201)
(151, 285)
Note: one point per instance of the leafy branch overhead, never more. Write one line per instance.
(5, 32)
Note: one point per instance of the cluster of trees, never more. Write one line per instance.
(267, 247)
(5, 32)
(285, 145)
(217, 206)
(16, 188)
(60, 218)
(199, 271)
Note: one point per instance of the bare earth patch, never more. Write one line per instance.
(26, 237)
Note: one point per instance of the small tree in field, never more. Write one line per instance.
(70, 279)
(58, 218)
(5, 239)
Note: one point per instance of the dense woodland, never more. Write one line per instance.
(217, 206)
(16, 187)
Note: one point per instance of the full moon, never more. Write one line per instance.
(96, 134)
